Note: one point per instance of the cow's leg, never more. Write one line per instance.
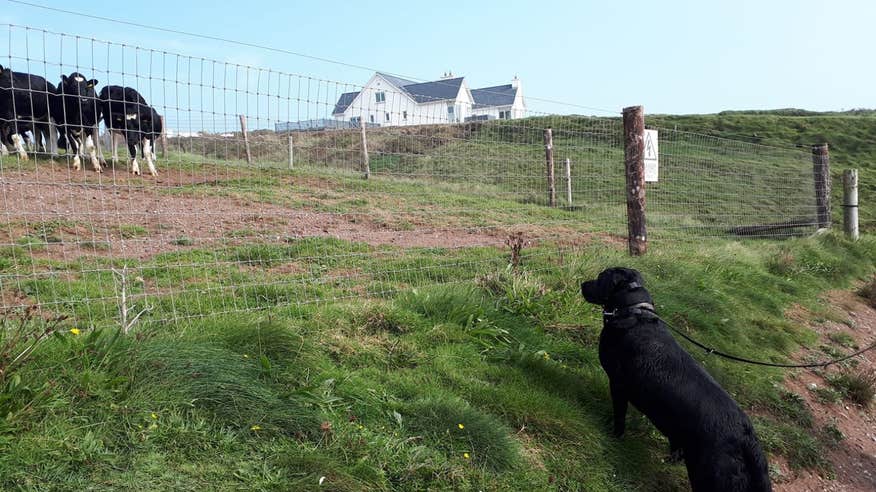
(19, 146)
(90, 150)
(74, 146)
(52, 144)
(114, 138)
(132, 149)
(149, 155)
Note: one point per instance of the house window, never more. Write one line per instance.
(356, 120)
(386, 116)
(372, 118)
(450, 110)
(404, 115)
(504, 115)
(380, 97)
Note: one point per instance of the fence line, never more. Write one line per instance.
(234, 222)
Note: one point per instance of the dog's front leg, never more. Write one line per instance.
(619, 402)
(676, 452)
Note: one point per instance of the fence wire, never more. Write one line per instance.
(260, 201)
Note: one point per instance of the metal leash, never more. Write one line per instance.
(712, 350)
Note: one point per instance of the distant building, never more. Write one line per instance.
(387, 100)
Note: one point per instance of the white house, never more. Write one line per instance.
(387, 100)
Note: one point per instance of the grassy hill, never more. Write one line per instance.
(851, 136)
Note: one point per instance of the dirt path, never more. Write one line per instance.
(854, 458)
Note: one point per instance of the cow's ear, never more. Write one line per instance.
(2, 69)
(63, 78)
(92, 83)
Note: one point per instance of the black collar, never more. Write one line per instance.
(633, 310)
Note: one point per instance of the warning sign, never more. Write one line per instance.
(651, 156)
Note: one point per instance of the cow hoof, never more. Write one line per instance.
(135, 173)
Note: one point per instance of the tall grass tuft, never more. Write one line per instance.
(462, 432)
(205, 375)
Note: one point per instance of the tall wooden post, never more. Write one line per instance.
(366, 166)
(821, 172)
(163, 138)
(291, 153)
(569, 182)
(549, 160)
(245, 139)
(850, 203)
(634, 166)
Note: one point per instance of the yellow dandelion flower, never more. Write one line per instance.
(256, 428)
(465, 455)
(154, 416)
(75, 331)
(460, 426)
(246, 356)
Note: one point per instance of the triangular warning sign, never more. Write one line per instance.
(650, 148)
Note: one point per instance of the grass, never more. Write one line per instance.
(370, 393)
(276, 363)
(859, 387)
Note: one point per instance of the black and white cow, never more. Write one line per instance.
(125, 112)
(76, 112)
(25, 106)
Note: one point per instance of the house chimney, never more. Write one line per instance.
(515, 82)
(447, 75)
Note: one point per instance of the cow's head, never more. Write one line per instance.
(76, 84)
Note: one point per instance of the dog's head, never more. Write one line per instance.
(609, 283)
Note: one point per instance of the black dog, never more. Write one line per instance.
(647, 368)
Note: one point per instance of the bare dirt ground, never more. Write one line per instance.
(97, 208)
(854, 458)
(101, 206)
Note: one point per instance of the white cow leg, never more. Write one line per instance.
(92, 153)
(147, 151)
(135, 166)
(115, 144)
(3, 150)
(77, 164)
(19, 146)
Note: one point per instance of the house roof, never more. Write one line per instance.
(438, 90)
(396, 81)
(344, 101)
(500, 95)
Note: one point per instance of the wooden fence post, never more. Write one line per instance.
(549, 158)
(569, 182)
(245, 139)
(366, 166)
(850, 203)
(821, 172)
(291, 153)
(634, 166)
(163, 137)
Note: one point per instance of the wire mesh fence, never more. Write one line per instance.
(715, 187)
(260, 199)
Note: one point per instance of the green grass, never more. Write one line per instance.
(370, 392)
(271, 364)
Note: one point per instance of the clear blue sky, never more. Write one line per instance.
(671, 56)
